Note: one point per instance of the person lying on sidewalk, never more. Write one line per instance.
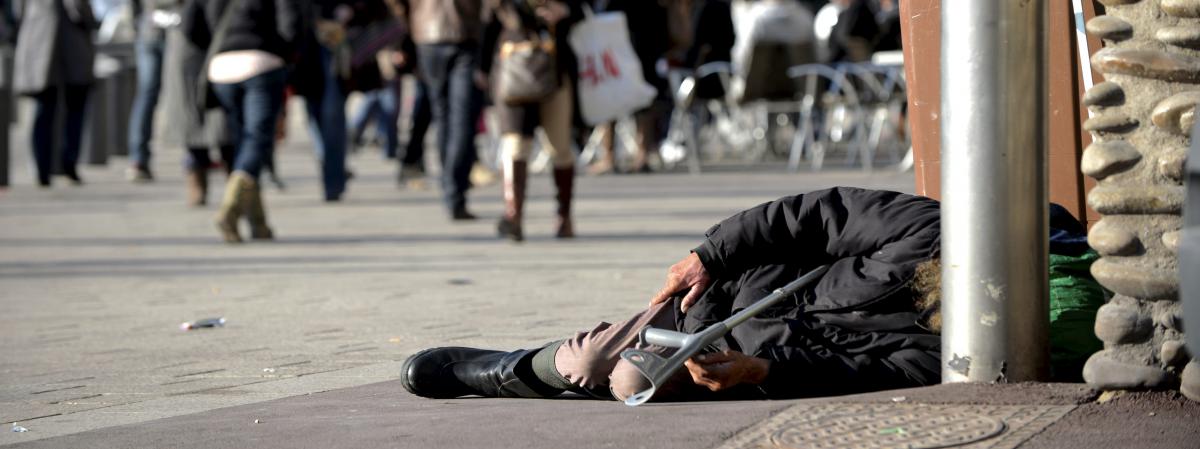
(865, 325)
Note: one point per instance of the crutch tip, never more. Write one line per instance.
(640, 398)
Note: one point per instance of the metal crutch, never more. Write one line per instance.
(658, 370)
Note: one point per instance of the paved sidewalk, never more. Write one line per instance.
(96, 280)
(382, 415)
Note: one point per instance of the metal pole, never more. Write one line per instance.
(6, 110)
(995, 305)
(1189, 249)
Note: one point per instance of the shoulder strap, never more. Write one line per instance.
(219, 33)
(214, 44)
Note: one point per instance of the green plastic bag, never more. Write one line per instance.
(1074, 298)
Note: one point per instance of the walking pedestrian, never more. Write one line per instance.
(151, 20)
(381, 104)
(649, 31)
(447, 35)
(196, 126)
(513, 24)
(412, 163)
(53, 63)
(248, 45)
(338, 71)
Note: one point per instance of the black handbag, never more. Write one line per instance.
(526, 71)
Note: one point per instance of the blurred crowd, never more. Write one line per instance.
(221, 72)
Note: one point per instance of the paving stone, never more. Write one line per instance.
(1136, 281)
(1106, 93)
(1169, 114)
(1109, 28)
(1179, 36)
(1103, 373)
(1148, 64)
(1172, 165)
(1171, 241)
(1173, 353)
(1136, 199)
(1105, 158)
(1190, 380)
(1122, 323)
(1110, 239)
(1110, 123)
(1181, 8)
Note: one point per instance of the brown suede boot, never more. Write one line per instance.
(515, 177)
(197, 186)
(256, 214)
(232, 206)
(564, 180)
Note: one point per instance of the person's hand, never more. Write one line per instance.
(481, 80)
(726, 369)
(688, 274)
(552, 12)
(399, 59)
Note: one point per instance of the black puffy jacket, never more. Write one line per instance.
(857, 328)
(273, 26)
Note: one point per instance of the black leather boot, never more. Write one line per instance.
(443, 373)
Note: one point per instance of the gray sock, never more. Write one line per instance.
(544, 369)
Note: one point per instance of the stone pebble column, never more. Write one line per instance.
(1141, 119)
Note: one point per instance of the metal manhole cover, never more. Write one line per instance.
(841, 425)
(913, 429)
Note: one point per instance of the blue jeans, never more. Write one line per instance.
(422, 116)
(447, 70)
(42, 137)
(327, 123)
(382, 105)
(253, 107)
(141, 119)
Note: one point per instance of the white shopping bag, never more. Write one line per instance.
(610, 75)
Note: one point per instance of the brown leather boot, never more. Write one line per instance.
(233, 205)
(515, 177)
(197, 186)
(564, 180)
(256, 214)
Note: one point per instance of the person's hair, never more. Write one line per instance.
(927, 291)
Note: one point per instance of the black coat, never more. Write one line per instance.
(857, 328)
(273, 26)
(54, 45)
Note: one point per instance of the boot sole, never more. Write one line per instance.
(262, 235)
(229, 233)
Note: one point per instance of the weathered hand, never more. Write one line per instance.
(726, 369)
(688, 274)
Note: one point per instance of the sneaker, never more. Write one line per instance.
(138, 174)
